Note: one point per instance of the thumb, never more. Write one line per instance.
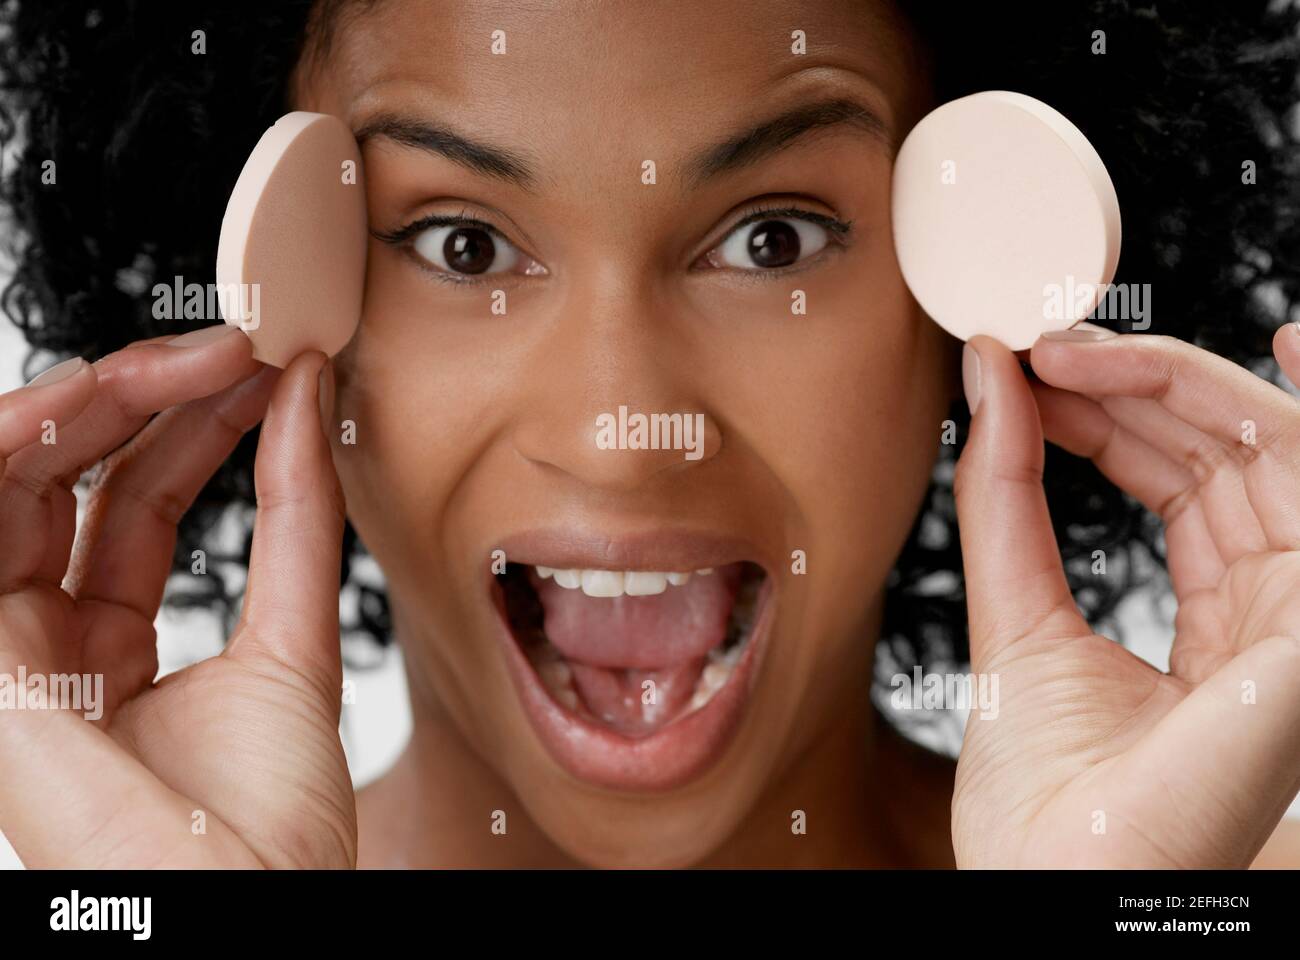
(291, 604)
(1015, 583)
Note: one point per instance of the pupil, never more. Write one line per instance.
(468, 250)
(774, 243)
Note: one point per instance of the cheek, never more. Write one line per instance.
(845, 406)
(879, 419)
(418, 380)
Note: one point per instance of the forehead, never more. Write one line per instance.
(586, 83)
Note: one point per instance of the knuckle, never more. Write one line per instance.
(1163, 359)
(1173, 508)
(118, 478)
(1206, 457)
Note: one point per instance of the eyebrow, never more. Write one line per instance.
(740, 150)
(484, 158)
(776, 133)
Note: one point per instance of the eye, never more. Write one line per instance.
(770, 240)
(465, 249)
(460, 248)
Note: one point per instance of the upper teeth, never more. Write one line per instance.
(616, 583)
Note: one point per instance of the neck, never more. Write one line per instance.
(819, 812)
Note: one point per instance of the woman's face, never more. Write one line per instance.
(610, 157)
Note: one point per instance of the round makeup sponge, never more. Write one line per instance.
(291, 263)
(1005, 220)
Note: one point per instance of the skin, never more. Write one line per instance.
(472, 426)
(621, 317)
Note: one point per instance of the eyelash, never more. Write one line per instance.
(841, 232)
(841, 228)
(402, 236)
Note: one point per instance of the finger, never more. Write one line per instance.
(1219, 482)
(1210, 392)
(1236, 737)
(39, 410)
(124, 550)
(1286, 348)
(290, 615)
(1015, 583)
(1086, 429)
(57, 396)
(131, 386)
(1243, 424)
(1191, 557)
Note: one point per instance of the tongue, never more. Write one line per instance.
(636, 660)
(668, 629)
(636, 702)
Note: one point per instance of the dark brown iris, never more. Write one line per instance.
(774, 243)
(469, 250)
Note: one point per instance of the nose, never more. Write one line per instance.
(617, 404)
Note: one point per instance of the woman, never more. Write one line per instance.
(649, 185)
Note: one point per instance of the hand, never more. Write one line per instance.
(244, 745)
(1095, 758)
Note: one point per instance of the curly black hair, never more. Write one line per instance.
(148, 139)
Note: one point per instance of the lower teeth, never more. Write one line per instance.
(557, 677)
(712, 679)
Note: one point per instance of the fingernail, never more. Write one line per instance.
(1080, 333)
(201, 338)
(325, 395)
(60, 371)
(970, 377)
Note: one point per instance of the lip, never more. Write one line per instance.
(658, 549)
(680, 752)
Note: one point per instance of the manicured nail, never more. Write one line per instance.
(60, 371)
(1080, 333)
(970, 377)
(325, 395)
(201, 338)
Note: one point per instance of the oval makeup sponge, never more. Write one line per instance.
(294, 239)
(1005, 220)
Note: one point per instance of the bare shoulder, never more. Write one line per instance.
(1282, 852)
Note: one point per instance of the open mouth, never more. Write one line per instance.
(632, 650)
(633, 678)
